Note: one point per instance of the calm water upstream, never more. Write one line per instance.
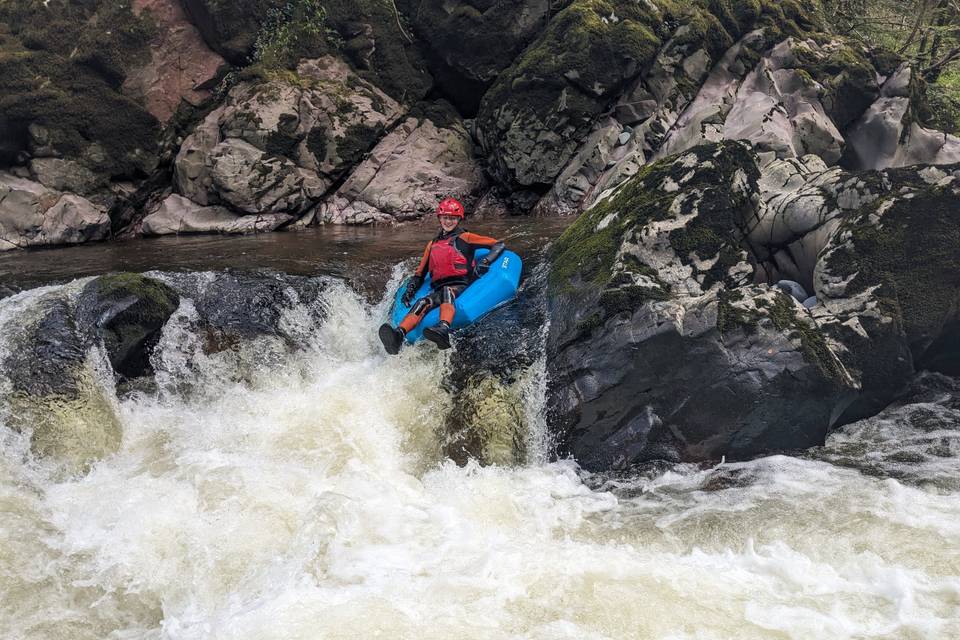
(309, 499)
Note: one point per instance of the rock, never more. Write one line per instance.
(177, 214)
(61, 107)
(650, 61)
(56, 392)
(792, 288)
(487, 424)
(915, 439)
(32, 215)
(888, 283)
(778, 109)
(126, 311)
(407, 174)
(277, 146)
(649, 273)
(181, 66)
(471, 42)
(659, 346)
(65, 175)
(886, 137)
(369, 32)
(233, 307)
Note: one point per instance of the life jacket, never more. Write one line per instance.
(447, 262)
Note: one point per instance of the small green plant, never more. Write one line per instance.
(294, 30)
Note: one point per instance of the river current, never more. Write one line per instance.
(260, 494)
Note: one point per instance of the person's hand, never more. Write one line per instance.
(482, 267)
(411, 291)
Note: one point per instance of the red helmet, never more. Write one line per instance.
(450, 207)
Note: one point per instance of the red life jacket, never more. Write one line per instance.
(446, 261)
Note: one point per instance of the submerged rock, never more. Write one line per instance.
(55, 394)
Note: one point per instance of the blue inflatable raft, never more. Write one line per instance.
(495, 288)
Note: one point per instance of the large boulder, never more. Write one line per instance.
(277, 146)
(33, 215)
(126, 312)
(666, 341)
(408, 172)
(659, 345)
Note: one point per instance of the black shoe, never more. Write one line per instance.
(391, 338)
(439, 335)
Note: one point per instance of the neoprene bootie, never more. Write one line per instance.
(391, 338)
(439, 335)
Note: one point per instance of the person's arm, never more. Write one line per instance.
(496, 249)
(418, 275)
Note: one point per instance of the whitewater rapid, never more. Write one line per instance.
(261, 494)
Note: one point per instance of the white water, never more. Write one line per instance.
(263, 495)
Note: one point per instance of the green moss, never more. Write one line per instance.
(161, 296)
(783, 314)
(848, 79)
(912, 258)
(730, 317)
(587, 250)
(77, 108)
(284, 141)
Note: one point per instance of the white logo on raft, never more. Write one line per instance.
(506, 261)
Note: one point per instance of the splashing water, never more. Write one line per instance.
(261, 493)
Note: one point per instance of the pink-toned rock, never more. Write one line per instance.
(181, 65)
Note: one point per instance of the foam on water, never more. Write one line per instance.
(265, 494)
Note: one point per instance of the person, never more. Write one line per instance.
(448, 259)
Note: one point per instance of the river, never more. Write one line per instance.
(309, 498)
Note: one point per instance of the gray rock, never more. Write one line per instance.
(65, 175)
(276, 147)
(177, 214)
(407, 174)
(33, 215)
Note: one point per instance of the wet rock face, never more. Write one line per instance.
(661, 346)
(232, 307)
(54, 392)
(126, 312)
(916, 439)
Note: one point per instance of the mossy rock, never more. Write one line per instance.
(86, 119)
(588, 250)
(127, 311)
(911, 257)
(848, 78)
(234, 29)
(539, 110)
